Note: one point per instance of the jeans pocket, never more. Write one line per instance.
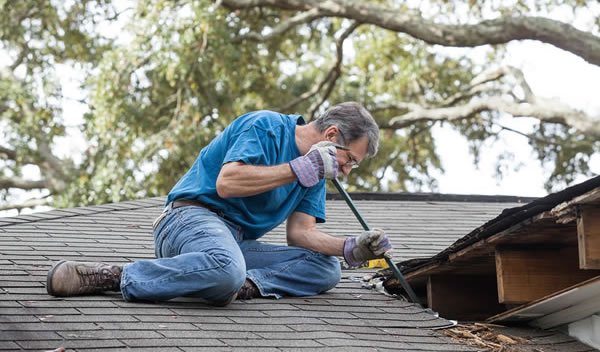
(158, 220)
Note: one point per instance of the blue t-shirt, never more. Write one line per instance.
(257, 138)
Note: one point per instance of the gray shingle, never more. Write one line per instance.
(38, 311)
(238, 327)
(44, 345)
(176, 342)
(18, 319)
(338, 328)
(109, 334)
(208, 334)
(184, 319)
(47, 326)
(332, 349)
(145, 326)
(272, 343)
(398, 345)
(9, 345)
(230, 349)
(312, 335)
(129, 349)
(29, 335)
(91, 318)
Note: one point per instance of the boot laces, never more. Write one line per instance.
(98, 278)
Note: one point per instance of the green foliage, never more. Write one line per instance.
(156, 99)
(564, 150)
(35, 36)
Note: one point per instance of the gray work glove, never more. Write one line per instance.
(320, 162)
(369, 245)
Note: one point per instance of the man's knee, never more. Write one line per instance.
(230, 281)
(227, 275)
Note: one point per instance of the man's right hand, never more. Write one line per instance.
(319, 163)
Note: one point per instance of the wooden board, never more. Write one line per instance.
(463, 297)
(557, 302)
(526, 274)
(588, 238)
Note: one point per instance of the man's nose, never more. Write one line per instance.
(345, 169)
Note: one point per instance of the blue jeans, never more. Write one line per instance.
(203, 255)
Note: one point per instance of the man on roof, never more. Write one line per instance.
(264, 169)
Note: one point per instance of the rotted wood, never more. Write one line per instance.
(540, 229)
(528, 273)
(478, 258)
(588, 237)
(568, 211)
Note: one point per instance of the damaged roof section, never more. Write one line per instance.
(507, 219)
(531, 263)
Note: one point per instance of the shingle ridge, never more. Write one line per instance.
(127, 205)
(432, 197)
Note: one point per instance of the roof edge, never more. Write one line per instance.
(55, 214)
(432, 197)
(376, 196)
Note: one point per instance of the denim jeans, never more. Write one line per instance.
(201, 254)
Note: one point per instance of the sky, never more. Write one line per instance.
(551, 72)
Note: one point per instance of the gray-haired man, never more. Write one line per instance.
(265, 168)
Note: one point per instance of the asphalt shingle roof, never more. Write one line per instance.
(348, 318)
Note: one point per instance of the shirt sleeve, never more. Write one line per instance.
(252, 146)
(313, 202)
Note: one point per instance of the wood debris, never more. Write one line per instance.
(484, 336)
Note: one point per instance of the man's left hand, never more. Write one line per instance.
(369, 245)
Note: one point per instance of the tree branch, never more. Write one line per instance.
(54, 163)
(526, 135)
(546, 110)
(31, 203)
(478, 85)
(22, 54)
(22, 184)
(495, 74)
(332, 75)
(497, 31)
(303, 17)
(6, 153)
(336, 70)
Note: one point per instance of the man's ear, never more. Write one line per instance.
(332, 134)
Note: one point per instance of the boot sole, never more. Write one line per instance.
(50, 275)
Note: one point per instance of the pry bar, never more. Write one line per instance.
(395, 270)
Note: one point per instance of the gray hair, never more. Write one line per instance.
(354, 122)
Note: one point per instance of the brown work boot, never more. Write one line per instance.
(68, 278)
(248, 291)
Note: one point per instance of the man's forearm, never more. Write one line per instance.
(237, 179)
(317, 241)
